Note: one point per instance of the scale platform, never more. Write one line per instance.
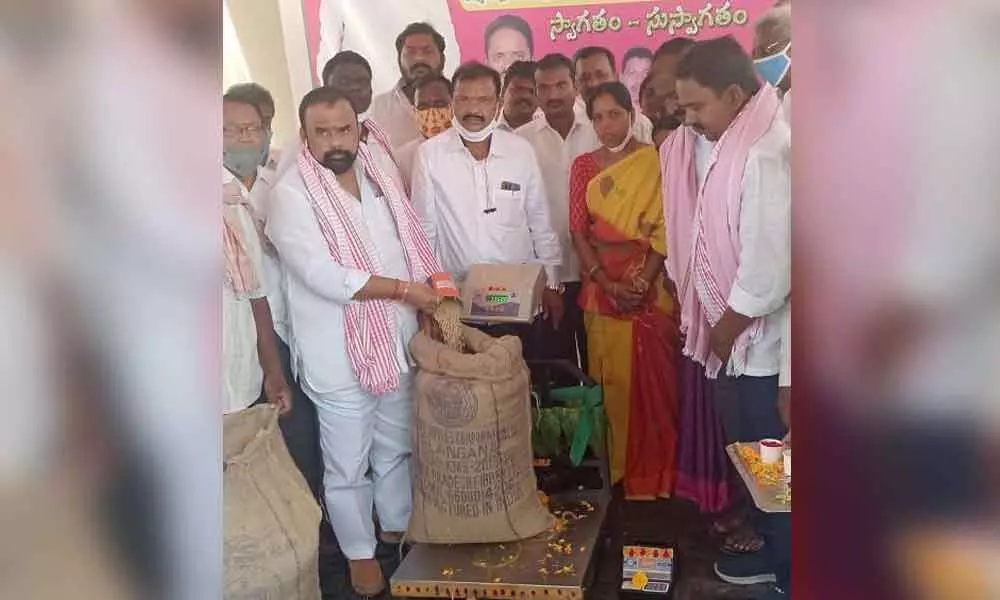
(555, 564)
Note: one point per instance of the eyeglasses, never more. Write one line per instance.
(234, 132)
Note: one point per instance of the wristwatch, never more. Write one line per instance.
(560, 289)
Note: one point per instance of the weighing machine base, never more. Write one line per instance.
(554, 564)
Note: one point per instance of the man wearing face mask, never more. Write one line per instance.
(355, 260)
(433, 102)
(732, 158)
(420, 52)
(298, 427)
(350, 73)
(262, 98)
(480, 194)
(250, 356)
(772, 51)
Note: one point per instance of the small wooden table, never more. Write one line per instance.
(766, 497)
(550, 565)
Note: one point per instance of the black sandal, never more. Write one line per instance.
(744, 541)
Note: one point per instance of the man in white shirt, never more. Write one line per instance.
(262, 98)
(433, 102)
(479, 191)
(734, 288)
(558, 138)
(299, 426)
(420, 52)
(595, 65)
(355, 262)
(518, 96)
(249, 354)
(350, 73)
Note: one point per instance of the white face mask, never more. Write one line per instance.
(476, 136)
(628, 138)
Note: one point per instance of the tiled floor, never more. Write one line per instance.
(668, 522)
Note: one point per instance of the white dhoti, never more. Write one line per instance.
(359, 431)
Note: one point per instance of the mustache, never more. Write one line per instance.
(421, 66)
(474, 117)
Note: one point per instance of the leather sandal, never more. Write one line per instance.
(366, 577)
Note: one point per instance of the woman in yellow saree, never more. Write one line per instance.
(616, 217)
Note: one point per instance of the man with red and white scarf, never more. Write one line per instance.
(355, 261)
(726, 196)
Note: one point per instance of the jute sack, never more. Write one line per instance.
(270, 519)
(472, 460)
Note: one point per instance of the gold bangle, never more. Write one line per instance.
(406, 290)
(594, 269)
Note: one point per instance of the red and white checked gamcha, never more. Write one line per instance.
(370, 326)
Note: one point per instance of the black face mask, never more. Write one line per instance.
(339, 161)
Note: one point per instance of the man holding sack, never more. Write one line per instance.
(355, 260)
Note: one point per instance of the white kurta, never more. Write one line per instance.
(242, 376)
(394, 112)
(763, 279)
(555, 157)
(407, 155)
(358, 431)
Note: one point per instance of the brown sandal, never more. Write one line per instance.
(366, 577)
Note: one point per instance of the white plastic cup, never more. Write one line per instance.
(787, 455)
(770, 451)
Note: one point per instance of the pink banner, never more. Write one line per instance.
(526, 29)
(565, 26)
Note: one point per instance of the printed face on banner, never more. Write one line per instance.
(565, 26)
(498, 32)
(507, 45)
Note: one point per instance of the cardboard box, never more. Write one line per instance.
(502, 293)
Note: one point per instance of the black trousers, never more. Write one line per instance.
(300, 428)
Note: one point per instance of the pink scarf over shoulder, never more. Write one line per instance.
(370, 327)
(703, 243)
(241, 276)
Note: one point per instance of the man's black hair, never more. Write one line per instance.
(253, 92)
(520, 69)
(475, 70)
(637, 52)
(717, 64)
(243, 98)
(419, 28)
(433, 78)
(591, 51)
(554, 61)
(674, 47)
(321, 95)
(344, 57)
(514, 23)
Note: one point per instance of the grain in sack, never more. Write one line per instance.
(472, 460)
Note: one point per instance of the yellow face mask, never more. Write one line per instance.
(434, 120)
